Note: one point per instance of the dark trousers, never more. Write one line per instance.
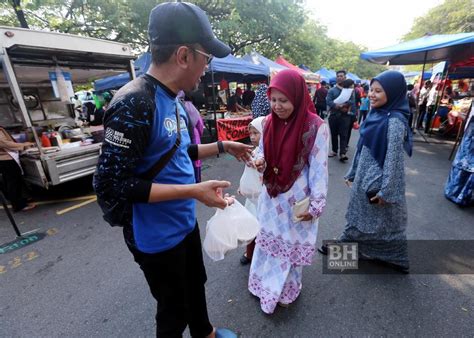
(321, 111)
(176, 278)
(13, 184)
(339, 124)
(362, 115)
(419, 121)
(349, 131)
(429, 117)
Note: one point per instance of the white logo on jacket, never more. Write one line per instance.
(117, 138)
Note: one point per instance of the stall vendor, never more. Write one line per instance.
(10, 169)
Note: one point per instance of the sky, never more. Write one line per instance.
(371, 23)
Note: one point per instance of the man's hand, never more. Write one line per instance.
(239, 150)
(260, 165)
(348, 183)
(210, 193)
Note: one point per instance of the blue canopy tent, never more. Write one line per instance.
(116, 81)
(354, 77)
(234, 69)
(326, 74)
(431, 48)
(259, 59)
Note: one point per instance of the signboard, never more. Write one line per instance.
(67, 84)
(233, 129)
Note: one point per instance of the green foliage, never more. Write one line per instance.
(271, 27)
(453, 16)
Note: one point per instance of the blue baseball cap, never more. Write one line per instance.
(174, 23)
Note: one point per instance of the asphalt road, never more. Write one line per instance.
(81, 281)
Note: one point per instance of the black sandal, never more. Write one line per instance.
(244, 260)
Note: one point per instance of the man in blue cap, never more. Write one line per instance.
(143, 122)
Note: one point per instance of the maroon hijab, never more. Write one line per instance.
(288, 143)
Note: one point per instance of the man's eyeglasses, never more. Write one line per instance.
(208, 56)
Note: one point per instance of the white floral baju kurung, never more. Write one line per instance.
(283, 247)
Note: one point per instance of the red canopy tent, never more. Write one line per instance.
(308, 76)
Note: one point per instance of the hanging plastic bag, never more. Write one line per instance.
(229, 228)
(250, 183)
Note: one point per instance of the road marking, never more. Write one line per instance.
(18, 261)
(77, 206)
(63, 200)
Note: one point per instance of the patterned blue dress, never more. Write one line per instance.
(380, 230)
(460, 184)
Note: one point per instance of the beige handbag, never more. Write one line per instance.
(299, 208)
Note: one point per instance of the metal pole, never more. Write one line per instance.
(9, 214)
(132, 70)
(415, 119)
(18, 95)
(213, 99)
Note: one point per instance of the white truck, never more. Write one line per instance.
(29, 61)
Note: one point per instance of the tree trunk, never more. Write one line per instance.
(19, 13)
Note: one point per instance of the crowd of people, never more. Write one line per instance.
(148, 184)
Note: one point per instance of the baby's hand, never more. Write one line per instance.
(250, 164)
(260, 165)
(229, 199)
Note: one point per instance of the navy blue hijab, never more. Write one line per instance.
(373, 132)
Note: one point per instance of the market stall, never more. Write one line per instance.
(36, 91)
(428, 49)
(229, 69)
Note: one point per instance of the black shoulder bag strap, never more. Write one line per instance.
(163, 161)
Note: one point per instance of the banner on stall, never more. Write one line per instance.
(233, 129)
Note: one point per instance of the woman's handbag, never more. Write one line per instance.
(299, 208)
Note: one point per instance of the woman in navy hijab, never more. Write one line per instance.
(377, 212)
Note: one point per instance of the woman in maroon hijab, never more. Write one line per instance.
(293, 158)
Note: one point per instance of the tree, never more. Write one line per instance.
(452, 16)
(271, 27)
(16, 4)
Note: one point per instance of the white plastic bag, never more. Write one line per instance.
(229, 228)
(250, 205)
(250, 183)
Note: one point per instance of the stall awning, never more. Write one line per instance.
(259, 59)
(326, 74)
(427, 49)
(235, 69)
(114, 82)
(308, 76)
